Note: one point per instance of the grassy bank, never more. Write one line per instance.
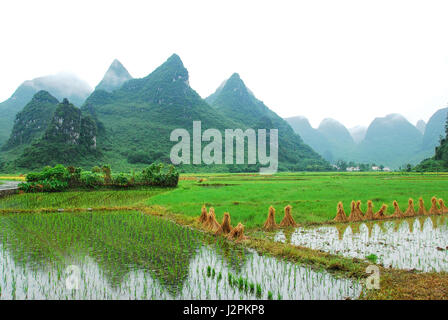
(313, 196)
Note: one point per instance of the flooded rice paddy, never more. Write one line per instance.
(129, 255)
(419, 243)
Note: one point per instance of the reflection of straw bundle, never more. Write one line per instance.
(203, 216)
(434, 209)
(341, 230)
(225, 225)
(355, 215)
(370, 228)
(270, 221)
(397, 212)
(288, 220)
(410, 212)
(380, 214)
(443, 209)
(340, 214)
(369, 212)
(237, 233)
(421, 207)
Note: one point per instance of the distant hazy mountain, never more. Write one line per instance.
(421, 125)
(358, 133)
(61, 86)
(114, 78)
(311, 136)
(235, 101)
(339, 137)
(435, 128)
(392, 141)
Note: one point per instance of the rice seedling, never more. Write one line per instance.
(131, 255)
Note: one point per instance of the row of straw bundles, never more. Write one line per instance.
(209, 221)
(357, 215)
(287, 220)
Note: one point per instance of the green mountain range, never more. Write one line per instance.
(235, 101)
(32, 121)
(139, 116)
(69, 139)
(127, 122)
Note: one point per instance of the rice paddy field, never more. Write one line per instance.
(147, 243)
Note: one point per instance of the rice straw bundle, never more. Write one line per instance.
(237, 233)
(225, 225)
(443, 209)
(421, 207)
(369, 212)
(434, 209)
(380, 214)
(288, 220)
(270, 221)
(354, 214)
(340, 213)
(203, 216)
(397, 212)
(410, 212)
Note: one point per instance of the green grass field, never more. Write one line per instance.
(313, 196)
(247, 197)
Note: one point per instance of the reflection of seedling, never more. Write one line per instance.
(240, 283)
(209, 271)
(259, 291)
(372, 258)
(279, 296)
(251, 287)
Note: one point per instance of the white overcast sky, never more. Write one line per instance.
(349, 60)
